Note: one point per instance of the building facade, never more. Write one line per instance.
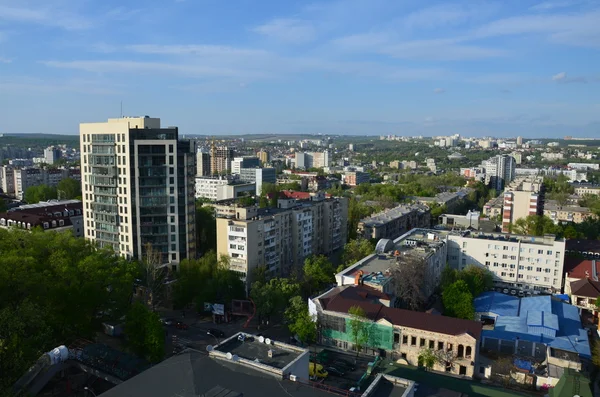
(220, 160)
(53, 215)
(207, 187)
(522, 197)
(394, 222)
(524, 262)
(258, 176)
(138, 188)
(499, 170)
(243, 162)
(280, 239)
(355, 178)
(203, 164)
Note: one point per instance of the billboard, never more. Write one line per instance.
(214, 308)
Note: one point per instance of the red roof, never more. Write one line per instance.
(298, 195)
(343, 300)
(580, 267)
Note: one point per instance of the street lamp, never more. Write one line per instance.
(90, 390)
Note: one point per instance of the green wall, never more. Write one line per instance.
(380, 336)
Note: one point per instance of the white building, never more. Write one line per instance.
(138, 188)
(499, 170)
(207, 186)
(525, 262)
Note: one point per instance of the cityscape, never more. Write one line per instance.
(280, 224)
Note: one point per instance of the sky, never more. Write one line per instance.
(363, 67)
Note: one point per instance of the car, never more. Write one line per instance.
(505, 290)
(344, 365)
(216, 332)
(316, 370)
(167, 321)
(513, 291)
(521, 294)
(181, 325)
(334, 371)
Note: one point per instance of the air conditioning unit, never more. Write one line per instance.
(293, 378)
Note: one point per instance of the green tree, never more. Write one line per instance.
(359, 327)
(478, 279)
(356, 212)
(273, 296)
(145, 334)
(206, 228)
(535, 225)
(570, 232)
(458, 301)
(318, 272)
(68, 189)
(449, 276)
(300, 322)
(427, 358)
(35, 194)
(356, 250)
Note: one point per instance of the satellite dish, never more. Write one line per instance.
(229, 356)
(268, 341)
(209, 348)
(235, 358)
(261, 339)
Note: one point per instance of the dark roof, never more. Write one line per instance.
(572, 383)
(583, 245)
(585, 287)
(342, 301)
(194, 374)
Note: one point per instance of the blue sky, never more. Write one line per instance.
(505, 68)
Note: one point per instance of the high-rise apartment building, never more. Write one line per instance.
(308, 160)
(51, 155)
(522, 197)
(258, 176)
(203, 164)
(220, 159)
(263, 156)
(281, 238)
(499, 170)
(7, 179)
(243, 162)
(138, 188)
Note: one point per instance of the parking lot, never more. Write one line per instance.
(349, 378)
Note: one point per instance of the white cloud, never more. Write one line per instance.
(47, 16)
(439, 91)
(199, 50)
(5, 60)
(559, 76)
(444, 15)
(551, 5)
(288, 30)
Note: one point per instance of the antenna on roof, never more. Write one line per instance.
(121, 109)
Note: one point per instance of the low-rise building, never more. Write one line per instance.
(584, 166)
(402, 334)
(394, 222)
(567, 213)
(493, 208)
(206, 186)
(355, 178)
(539, 326)
(52, 215)
(585, 248)
(582, 282)
(460, 222)
(258, 176)
(581, 189)
(449, 199)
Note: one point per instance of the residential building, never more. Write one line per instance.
(281, 238)
(264, 157)
(7, 179)
(518, 156)
(243, 162)
(430, 163)
(475, 173)
(402, 334)
(581, 189)
(523, 262)
(499, 170)
(394, 222)
(448, 199)
(258, 176)
(55, 215)
(51, 155)
(551, 156)
(203, 164)
(395, 164)
(538, 326)
(520, 141)
(138, 188)
(522, 197)
(220, 159)
(571, 173)
(493, 208)
(567, 213)
(376, 270)
(27, 177)
(206, 187)
(306, 160)
(234, 190)
(355, 178)
(584, 166)
(582, 282)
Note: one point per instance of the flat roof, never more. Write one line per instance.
(386, 216)
(385, 388)
(252, 349)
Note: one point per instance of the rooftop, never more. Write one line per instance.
(584, 245)
(254, 350)
(386, 216)
(541, 319)
(497, 303)
(388, 386)
(376, 268)
(193, 373)
(586, 287)
(547, 240)
(581, 268)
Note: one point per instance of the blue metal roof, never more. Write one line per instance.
(538, 319)
(497, 303)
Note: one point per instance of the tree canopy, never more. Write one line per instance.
(318, 272)
(145, 333)
(359, 327)
(458, 301)
(54, 288)
(273, 296)
(35, 194)
(68, 189)
(300, 322)
(356, 250)
(206, 228)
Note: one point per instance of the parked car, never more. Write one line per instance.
(334, 371)
(513, 291)
(505, 290)
(343, 364)
(521, 294)
(167, 321)
(181, 325)
(216, 332)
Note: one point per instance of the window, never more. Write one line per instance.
(405, 339)
(440, 345)
(504, 265)
(503, 274)
(504, 256)
(557, 254)
(505, 248)
(464, 245)
(520, 276)
(422, 343)
(431, 344)
(549, 252)
(538, 269)
(529, 268)
(487, 263)
(396, 337)
(413, 340)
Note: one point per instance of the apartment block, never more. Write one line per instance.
(522, 197)
(51, 155)
(53, 215)
(499, 170)
(523, 262)
(138, 188)
(581, 189)
(394, 222)
(243, 162)
(280, 238)
(203, 164)
(258, 176)
(220, 159)
(402, 334)
(307, 160)
(263, 156)
(567, 213)
(7, 179)
(355, 178)
(207, 187)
